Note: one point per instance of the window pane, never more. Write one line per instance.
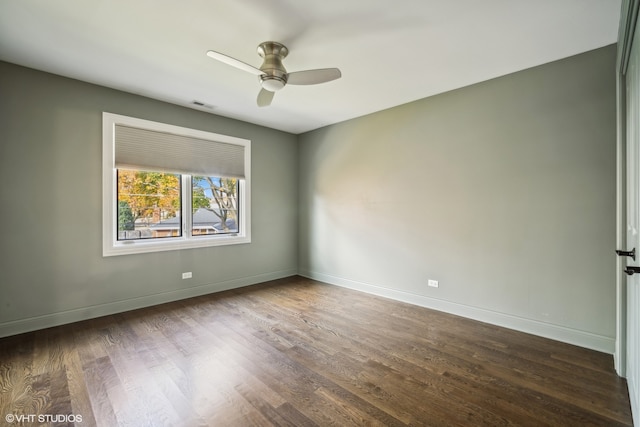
(215, 205)
(148, 205)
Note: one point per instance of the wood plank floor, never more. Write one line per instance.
(295, 352)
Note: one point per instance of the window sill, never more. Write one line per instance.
(130, 247)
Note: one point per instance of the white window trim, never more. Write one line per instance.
(110, 244)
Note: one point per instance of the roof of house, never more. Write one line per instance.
(202, 218)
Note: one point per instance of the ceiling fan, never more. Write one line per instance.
(273, 75)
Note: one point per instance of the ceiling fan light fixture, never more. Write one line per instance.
(272, 84)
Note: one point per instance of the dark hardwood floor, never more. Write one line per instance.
(296, 352)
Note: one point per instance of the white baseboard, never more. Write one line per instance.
(91, 312)
(547, 330)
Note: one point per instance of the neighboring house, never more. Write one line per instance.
(205, 221)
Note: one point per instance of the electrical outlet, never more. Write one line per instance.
(433, 283)
(187, 275)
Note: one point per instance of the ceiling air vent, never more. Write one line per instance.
(202, 104)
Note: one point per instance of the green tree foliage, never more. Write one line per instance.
(125, 217)
(200, 200)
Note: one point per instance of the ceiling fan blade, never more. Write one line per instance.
(312, 77)
(265, 97)
(234, 62)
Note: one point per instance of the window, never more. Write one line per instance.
(166, 187)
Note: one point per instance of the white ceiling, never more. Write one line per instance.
(389, 52)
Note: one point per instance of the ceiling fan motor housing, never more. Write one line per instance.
(275, 75)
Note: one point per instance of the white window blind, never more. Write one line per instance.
(138, 148)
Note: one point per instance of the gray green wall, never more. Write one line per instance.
(503, 191)
(51, 265)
